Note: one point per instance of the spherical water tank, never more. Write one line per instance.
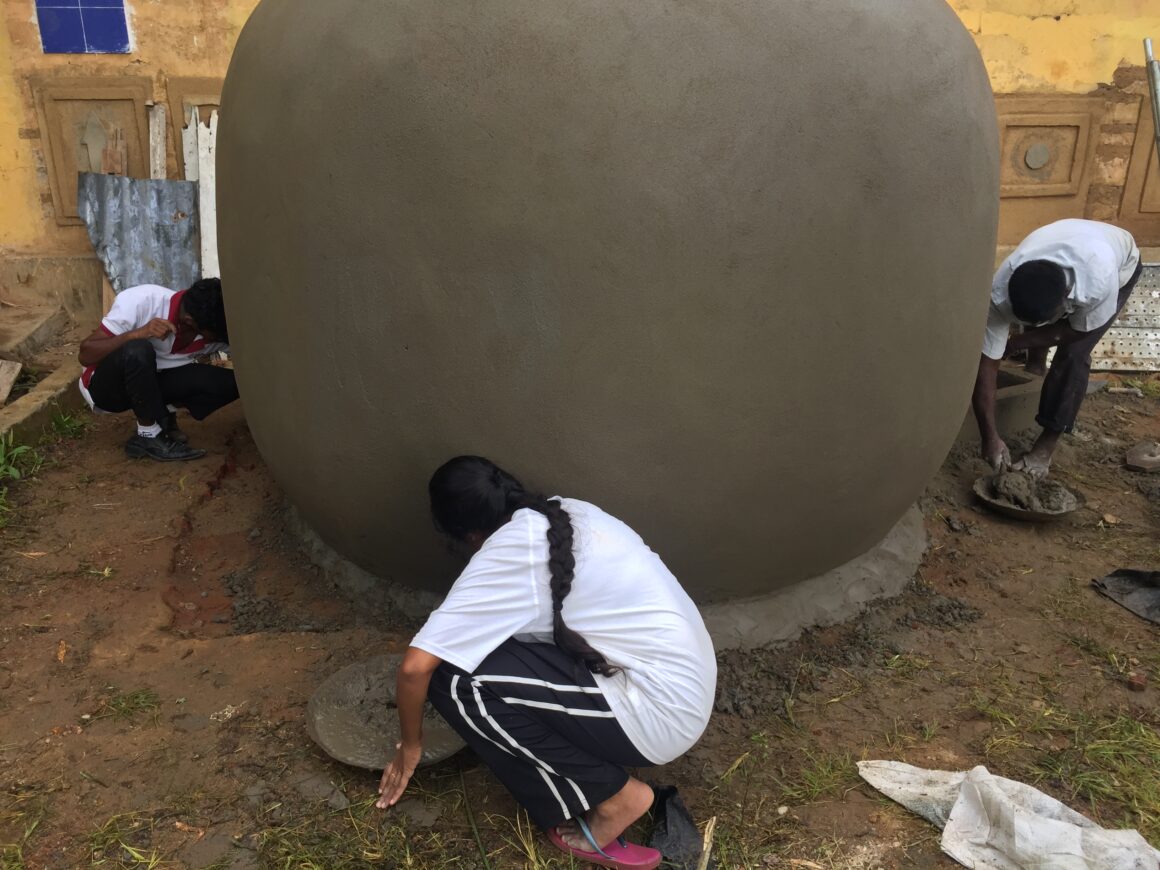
(719, 267)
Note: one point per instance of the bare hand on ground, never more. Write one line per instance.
(1036, 466)
(997, 455)
(156, 328)
(398, 774)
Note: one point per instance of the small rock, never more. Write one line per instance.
(1111, 520)
(418, 813)
(781, 811)
(255, 533)
(256, 793)
(1145, 457)
(1137, 681)
(956, 525)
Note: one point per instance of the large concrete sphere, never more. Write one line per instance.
(719, 267)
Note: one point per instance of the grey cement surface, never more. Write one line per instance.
(352, 716)
(835, 596)
(678, 260)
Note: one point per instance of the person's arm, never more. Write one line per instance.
(414, 677)
(101, 343)
(983, 402)
(1044, 336)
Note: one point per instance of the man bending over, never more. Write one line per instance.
(1065, 283)
(144, 357)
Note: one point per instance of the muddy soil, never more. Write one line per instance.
(161, 634)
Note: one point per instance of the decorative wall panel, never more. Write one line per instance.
(91, 125)
(1047, 146)
(1140, 208)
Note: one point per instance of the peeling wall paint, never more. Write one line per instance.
(1069, 47)
(191, 38)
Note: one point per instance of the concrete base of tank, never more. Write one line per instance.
(840, 594)
(779, 617)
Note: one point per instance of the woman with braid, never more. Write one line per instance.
(564, 653)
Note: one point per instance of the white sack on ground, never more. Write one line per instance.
(992, 823)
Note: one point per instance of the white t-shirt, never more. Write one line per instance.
(136, 306)
(1098, 258)
(624, 602)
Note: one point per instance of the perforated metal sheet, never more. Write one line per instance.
(1133, 343)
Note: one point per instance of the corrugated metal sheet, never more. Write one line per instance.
(1133, 342)
(145, 231)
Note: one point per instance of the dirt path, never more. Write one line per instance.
(160, 634)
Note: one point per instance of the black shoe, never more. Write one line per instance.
(162, 448)
(169, 426)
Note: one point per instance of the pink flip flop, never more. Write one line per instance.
(620, 855)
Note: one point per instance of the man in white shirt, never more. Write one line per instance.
(1065, 284)
(144, 357)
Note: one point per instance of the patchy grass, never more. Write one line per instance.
(906, 665)
(125, 841)
(1109, 761)
(1150, 387)
(824, 774)
(357, 838)
(66, 426)
(21, 812)
(126, 706)
(17, 461)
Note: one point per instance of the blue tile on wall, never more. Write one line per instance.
(83, 26)
(105, 30)
(61, 30)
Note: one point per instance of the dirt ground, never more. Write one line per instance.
(160, 634)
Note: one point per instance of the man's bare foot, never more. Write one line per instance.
(610, 819)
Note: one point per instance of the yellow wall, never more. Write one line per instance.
(20, 211)
(1072, 49)
(1025, 51)
(170, 38)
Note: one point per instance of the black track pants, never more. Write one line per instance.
(541, 725)
(128, 379)
(1066, 383)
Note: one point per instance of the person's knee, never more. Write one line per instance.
(1071, 357)
(139, 353)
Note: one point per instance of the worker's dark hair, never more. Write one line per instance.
(203, 302)
(472, 494)
(1037, 289)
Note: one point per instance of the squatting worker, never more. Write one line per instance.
(565, 652)
(1065, 284)
(144, 357)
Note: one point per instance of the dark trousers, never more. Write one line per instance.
(542, 726)
(1066, 383)
(128, 379)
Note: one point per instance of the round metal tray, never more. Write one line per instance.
(353, 717)
(980, 490)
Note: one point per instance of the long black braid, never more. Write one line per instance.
(470, 494)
